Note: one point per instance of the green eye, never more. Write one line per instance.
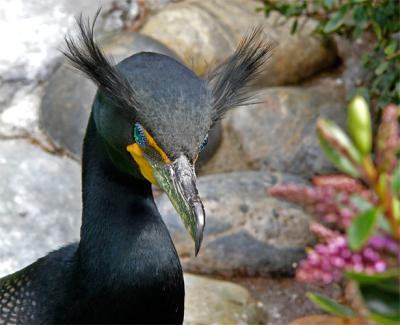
(138, 135)
(204, 143)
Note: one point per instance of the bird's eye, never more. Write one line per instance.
(138, 135)
(203, 145)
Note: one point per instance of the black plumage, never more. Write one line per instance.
(125, 269)
(229, 83)
(85, 55)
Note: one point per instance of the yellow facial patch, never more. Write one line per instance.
(138, 154)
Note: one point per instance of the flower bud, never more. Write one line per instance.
(338, 140)
(359, 124)
(396, 208)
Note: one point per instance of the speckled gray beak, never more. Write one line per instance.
(178, 180)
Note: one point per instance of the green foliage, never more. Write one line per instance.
(396, 180)
(359, 124)
(381, 291)
(350, 19)
(329, 305)
(338, 160)
(375, 278)
(362, 228)
(382, 299)
(378, 211)
(381, 176)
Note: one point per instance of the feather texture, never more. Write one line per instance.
(229, 82)
(85, 55)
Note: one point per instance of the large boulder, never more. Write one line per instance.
(40, 206)
(278, 133)
(247, 232)
(209, 301)
(205, 32)
(33, 33)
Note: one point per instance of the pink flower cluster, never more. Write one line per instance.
(329, 259)
(330, 200)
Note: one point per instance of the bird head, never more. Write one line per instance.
(154, 113)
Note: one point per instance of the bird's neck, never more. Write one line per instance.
(123, 238)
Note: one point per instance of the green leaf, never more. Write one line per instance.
(384, 225)
(396, 180)
(339, 140)
(330, 306)
(294, 26)
(381, 302)
(362, 227)
(372, 278)
(360, 20)
(359, 124)
(379, 17)
(396, 208)
(265, 9)
(328, 3)
(377, 29)
(336, 20)
(359, 14)
(295, 10)
(391, 48)
(337, 159)
(381, 68)
(360, 203)
(397, 88)
(357, 32)
(365, 59)
(382, 320)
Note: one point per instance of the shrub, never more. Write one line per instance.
(350, 19)
(362, 209)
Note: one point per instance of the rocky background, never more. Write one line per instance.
(252, 242)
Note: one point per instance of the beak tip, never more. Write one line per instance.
(196, 250)
(200, 224)
(197, 245)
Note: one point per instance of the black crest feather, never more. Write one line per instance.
(229, 82)
(85, 55)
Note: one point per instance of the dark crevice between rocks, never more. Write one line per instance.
(41, 141)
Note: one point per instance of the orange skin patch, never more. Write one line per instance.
(138, 155)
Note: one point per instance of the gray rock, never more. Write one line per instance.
(40, 206)
(210, 301)
(204, 33)
(33, 52)
(247, 233)
(68, 97)
(40, 27)
(278, 133)
(20, 117)
(350, 74)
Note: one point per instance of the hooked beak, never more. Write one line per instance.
(178, 180)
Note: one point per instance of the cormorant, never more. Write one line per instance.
(149, 120)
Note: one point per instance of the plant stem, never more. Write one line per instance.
(392, 56)
(383, 192)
